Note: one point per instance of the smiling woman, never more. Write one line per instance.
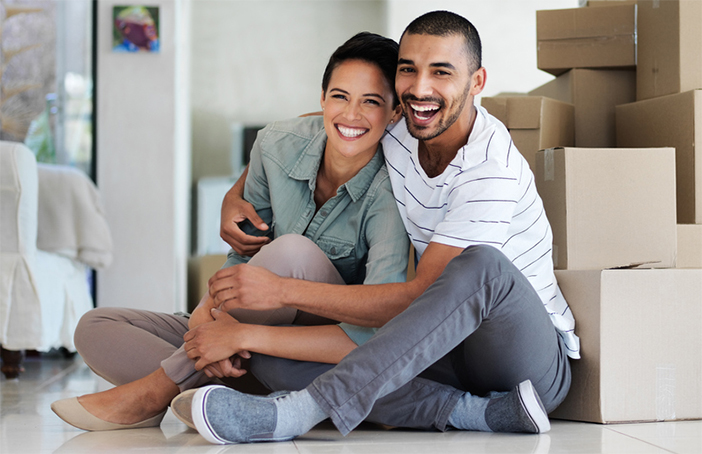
(321, 186)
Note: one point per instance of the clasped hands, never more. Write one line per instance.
(216, 339)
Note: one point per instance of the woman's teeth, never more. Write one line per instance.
(350, 132)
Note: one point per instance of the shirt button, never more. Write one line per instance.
(323, 213)
(333, 250)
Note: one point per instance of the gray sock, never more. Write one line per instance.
(469, 413)
(297, 414)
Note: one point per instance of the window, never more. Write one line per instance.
(47, 79)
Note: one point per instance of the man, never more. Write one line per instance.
(476, 329)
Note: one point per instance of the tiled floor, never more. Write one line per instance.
(29, 426)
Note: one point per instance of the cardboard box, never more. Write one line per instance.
(609, 2)
(603, 37)
(594, 93)
(670, 121)
(200, 270)
(689, 246)
(609, 207)
(535, 122)
(641, 345)
(670, 47)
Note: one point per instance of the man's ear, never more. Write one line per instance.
(477, 81)
(397, 114)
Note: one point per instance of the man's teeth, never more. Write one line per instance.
(424, 112)
(424, 108)
(351, 132)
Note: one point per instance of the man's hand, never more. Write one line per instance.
(247, 287)
(201, 314)
(214, 342)
(234, 210)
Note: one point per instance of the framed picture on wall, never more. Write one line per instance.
(135, 28)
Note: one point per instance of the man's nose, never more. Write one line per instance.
(421, 85)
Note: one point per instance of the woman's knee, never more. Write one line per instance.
(91, 327)
(296, 256)
(286, 248)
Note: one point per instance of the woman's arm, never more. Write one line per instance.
(225, 337)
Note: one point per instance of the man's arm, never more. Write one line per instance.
(234, 210)
(364, 305)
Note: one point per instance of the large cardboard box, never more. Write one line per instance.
(200, 270)
(609, 207)
(670, 121)
(670, 47)
(594, 93)
(603, 37)
(689, 246)
(535, 122)
(641, 345)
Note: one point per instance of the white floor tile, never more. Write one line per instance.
(28, 425)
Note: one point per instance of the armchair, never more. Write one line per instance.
(52, 231)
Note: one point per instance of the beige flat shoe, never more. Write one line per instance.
(181, 406)
(71, 411)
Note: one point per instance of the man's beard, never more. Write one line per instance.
(418, 132)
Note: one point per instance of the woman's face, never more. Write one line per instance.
(358, 106)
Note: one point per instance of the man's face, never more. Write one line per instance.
(433, 83)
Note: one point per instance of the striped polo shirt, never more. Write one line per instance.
(486, 195)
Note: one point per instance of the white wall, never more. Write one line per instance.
(255, 61)
(143, 163)
(252, 61)
(507, 30)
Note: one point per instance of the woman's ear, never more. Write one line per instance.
(321, 100)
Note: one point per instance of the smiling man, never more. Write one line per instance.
(480, 339)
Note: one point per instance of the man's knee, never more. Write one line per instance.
(488, 259)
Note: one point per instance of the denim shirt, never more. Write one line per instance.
(359, 229)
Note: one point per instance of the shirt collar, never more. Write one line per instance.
(308, 163)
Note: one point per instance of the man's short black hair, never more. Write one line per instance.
(446, 23)
(371, 48)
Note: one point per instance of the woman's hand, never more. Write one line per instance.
(230, 367)
(217, 341)
(247, 287)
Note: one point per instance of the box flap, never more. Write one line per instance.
(586, 22)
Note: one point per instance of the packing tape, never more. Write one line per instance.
(554, 246)
(549, 165)
(656, 4)
(665, 392)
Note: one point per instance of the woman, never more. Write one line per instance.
(322, 186)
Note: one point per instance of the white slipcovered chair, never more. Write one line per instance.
(52, 231)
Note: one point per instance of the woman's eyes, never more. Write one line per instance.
(367, 101)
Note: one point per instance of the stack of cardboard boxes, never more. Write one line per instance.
(624, 199)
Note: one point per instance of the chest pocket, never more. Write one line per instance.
(342, 255)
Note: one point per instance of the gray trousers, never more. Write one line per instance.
(123, 345)
(480, 328)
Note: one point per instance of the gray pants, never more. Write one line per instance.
(123, 345)
(481, 327)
